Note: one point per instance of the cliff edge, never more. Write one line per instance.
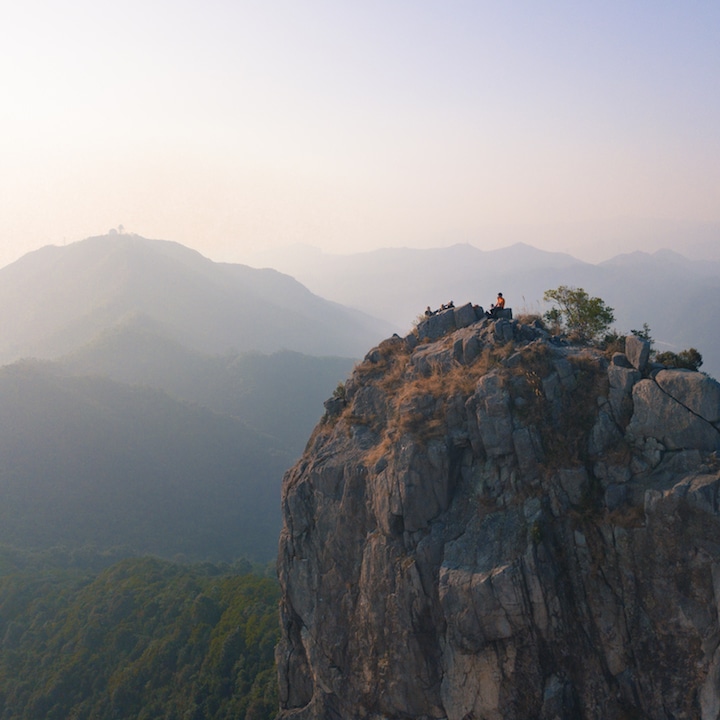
(488, 525)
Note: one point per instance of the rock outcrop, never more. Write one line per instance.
(487, 525)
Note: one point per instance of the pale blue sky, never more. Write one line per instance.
(235, 127)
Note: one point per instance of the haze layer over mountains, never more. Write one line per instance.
(679, 298)
(64, 297)
(154, 398)
(151, 399)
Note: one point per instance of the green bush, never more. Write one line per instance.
(584, 318)
(689, 359)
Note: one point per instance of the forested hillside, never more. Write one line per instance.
(144, 640)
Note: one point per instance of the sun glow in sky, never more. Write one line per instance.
(239, 126)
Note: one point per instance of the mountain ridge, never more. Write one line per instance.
(55, 299)
(674, 295)
(85, 461)
(128, 385)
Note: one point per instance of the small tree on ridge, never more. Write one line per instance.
(584, 318)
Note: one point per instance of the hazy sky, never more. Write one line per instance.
(239, 126)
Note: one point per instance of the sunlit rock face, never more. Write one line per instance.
(489, 525)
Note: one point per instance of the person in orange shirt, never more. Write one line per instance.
(499, 305)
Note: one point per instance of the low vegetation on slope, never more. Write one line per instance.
(413, 397)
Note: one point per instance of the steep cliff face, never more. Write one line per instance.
(490, 526)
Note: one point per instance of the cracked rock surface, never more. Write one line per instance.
(491, 526)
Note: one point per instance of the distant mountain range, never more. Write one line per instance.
(280, 394)
(56, 299)
(167, 396)
(187, 464)
(172, 392)
(676, 296)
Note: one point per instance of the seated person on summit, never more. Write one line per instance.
(497, 307)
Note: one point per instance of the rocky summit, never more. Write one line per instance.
(489, 524)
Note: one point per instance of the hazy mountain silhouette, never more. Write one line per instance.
(676, 296)
(154, 427)
(56, 299)
(404, 280)
(280, 394)
(158, 424)
(87, 461)
(184, 455)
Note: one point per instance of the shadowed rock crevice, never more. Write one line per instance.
(494, 526)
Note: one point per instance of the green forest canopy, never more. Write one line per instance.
(144, 639)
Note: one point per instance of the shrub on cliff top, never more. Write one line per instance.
(689, 359)
(584, 318)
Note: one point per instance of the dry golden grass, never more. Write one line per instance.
(382, 450)
(419, 402)
(536, 365)
(528, 318)
(537, 358)
(321, 431)
(391, 352)
(395, 373)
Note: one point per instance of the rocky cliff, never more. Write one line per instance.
(489, 525)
